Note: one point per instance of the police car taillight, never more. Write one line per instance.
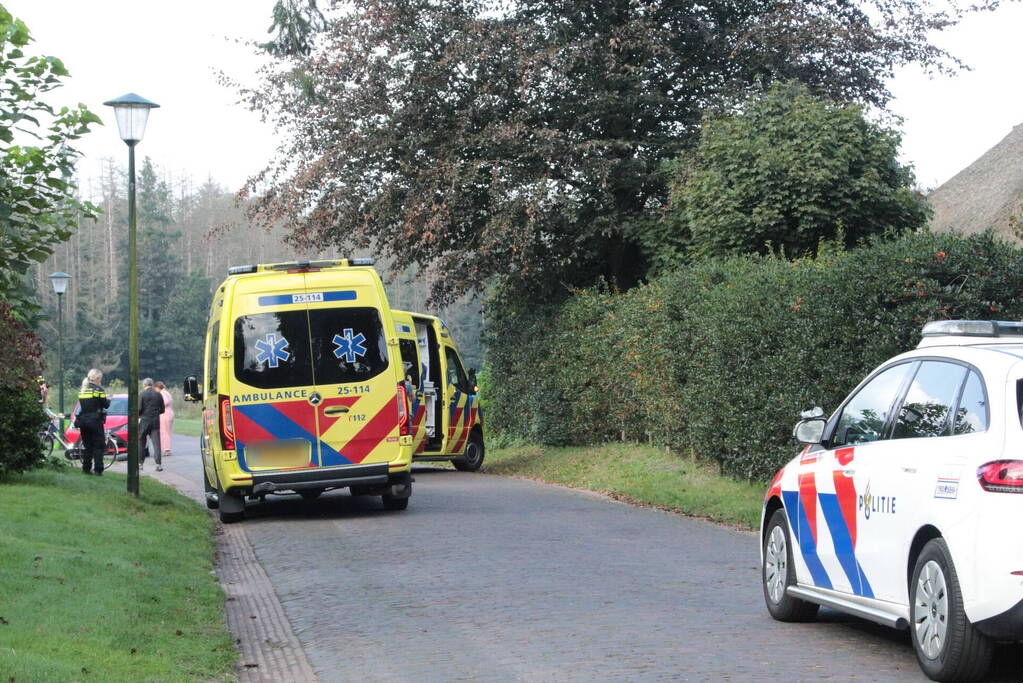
(404, 419)
(1001, 476)
(226, 423)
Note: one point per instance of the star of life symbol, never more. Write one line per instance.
(272, 350)
(349, 347)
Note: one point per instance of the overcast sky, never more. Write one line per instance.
(168, 52)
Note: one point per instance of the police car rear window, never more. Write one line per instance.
(300, 348)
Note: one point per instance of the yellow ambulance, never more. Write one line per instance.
(305, 389)
(447, 423)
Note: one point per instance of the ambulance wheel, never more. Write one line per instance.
(948, 646)
(231, 507)
(778, 573)
(310, 494)
(212, 499)
(395, 503)
(472, 460)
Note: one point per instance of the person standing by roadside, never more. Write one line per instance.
(167, 419)
(150, 409)
(92, 413)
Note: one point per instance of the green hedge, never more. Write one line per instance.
(21, 414)
(717, 359)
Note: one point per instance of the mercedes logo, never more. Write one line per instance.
(315, 398)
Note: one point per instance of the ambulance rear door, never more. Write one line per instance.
(458, 397)
(353, 375)
(272, 390)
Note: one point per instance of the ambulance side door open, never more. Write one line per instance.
(458, 399)
(430, 391)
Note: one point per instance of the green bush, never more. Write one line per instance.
(21, 415)
(718, 358)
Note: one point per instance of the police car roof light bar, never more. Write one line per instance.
(362, 261)
(973, 328)
(240, 270)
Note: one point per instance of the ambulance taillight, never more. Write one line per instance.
(226, 423)
(1001, 476)
(404, 410)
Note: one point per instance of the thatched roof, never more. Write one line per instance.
(985, 193)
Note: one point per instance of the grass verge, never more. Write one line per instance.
(97, 585)
(638, 474)
(188, 426)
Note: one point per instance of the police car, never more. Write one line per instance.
(903, 507)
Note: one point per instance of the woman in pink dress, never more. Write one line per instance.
(167, 419)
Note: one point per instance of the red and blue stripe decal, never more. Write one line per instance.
(839, 512)
(290, 420)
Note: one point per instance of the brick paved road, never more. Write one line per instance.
(498, 579)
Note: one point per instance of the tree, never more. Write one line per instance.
(38, 198)
(527, 139)
(784, 172)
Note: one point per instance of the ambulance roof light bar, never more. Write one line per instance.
(300, 265)
(973, 328)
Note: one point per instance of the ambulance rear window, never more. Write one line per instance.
(298, 348)
(271, 350)
(348, 344)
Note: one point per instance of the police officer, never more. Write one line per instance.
(92, 414)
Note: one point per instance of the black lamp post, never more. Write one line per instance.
(132, 112)
(60, 283)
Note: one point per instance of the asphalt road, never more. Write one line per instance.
(500, 579)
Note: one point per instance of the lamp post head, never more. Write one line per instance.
(131, 112)
(59, 281)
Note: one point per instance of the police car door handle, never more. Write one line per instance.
(335, 410)
(909, 470)
(848, 473)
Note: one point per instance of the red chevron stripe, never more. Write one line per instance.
(326, 422)
(808, 494)
(247, 431)
(846, 491)
(384, 423)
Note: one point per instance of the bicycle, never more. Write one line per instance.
(50, 435)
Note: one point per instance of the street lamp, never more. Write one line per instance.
(60, 282)
(132, 112)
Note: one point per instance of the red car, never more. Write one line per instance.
(116, 422)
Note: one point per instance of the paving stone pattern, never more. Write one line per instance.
(498, 579)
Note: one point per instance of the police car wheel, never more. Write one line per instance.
(472, 459)
(948, 646)
(778, 573)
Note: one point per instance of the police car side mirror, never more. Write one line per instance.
(810, 431)
(474, 385)
(191, 389)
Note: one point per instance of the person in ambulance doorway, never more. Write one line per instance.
(93, 404)
(150, 408)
